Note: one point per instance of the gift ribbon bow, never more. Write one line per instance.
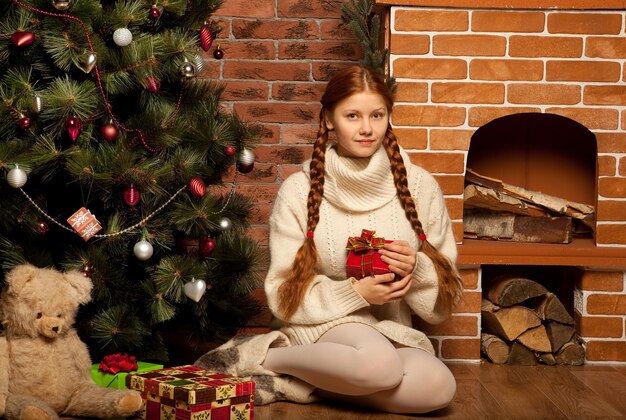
(365, 242)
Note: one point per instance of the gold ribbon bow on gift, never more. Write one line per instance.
(367, 241)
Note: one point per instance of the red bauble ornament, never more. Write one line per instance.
(206, 246)
(131, 195)
(42, 227)
(87, 271)
(196, 186)
(24, 123)
(218, 53)
(230, 150)
(74, 127)
(109, 132)
(22, 38)
(206, 37)
(154, 13)
(244, 169)
(152, 84)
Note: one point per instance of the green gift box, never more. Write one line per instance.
(118, 380)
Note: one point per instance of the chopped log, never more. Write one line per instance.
(572, 353)
(509, 291)
(536, 339)
(520, 355)
(507, 323)
(551, 308)
(547, 358)
(494, 348)
(581, 211)
(559, 334)
(479, 197)
(512, 227)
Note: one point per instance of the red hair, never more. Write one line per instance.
(349, 81)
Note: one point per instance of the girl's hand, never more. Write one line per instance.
(382, 288)
(400, 257)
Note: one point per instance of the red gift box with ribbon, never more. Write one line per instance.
(363, 257)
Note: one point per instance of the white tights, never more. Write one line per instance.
(357, 364)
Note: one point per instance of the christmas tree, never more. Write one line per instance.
(121, 161)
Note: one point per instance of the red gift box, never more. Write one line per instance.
(363, 258)
(192, 393)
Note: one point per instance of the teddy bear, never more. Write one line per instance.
(45, 368)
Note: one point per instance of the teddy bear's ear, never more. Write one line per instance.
(17, 278)
(82, 284)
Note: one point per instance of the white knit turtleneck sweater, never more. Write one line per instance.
(358, 194)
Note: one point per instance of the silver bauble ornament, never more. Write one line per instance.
(36, 104)
(143, 250)
(188, 70)
(122, 37)
(87, 61)
(16, 177)
(195, 289)
(246, 157)
(61, 5)
(198, 61)
(225, 223)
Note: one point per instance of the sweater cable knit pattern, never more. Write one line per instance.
(358, 194)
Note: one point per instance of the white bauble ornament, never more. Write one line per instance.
(246, 157)
(16, 177)
(187, 70)
(143, 250)
(195, 289)
(225, 223)
(122, 37)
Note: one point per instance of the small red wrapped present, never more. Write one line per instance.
(363, 258)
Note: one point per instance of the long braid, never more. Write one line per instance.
(291, 292)
(450, 285)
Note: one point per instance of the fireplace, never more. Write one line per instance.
(550, 76)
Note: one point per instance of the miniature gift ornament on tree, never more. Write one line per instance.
(363, 257)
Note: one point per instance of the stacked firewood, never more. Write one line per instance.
(525, 324)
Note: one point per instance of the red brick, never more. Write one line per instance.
(612, 187)
(246, 91)
(601, 281)
(411, 92)
(469, 45)
(543, 93)
(285, 170)
(274, 29)
(606, 351)
(479, 116)
(545, 46)
(259, 233)
(439, 163)
(260, 214)
(592, 118)
(283, 154)
(326, 50)
(450, 184)
(298, 92)
(260, 173)
(609, 234)
(431, 20)
(264, 70)
(255, 50)
(412, 138)
(584, 23)
(306, 8)
(606, 165)
(455, 208)
(303, 134)
(610, 210)
(409, 44)
(604, 95)
(450, 139)
(324, 70)
(505, 70)
(335, 29)
(430, 68)
(507, 21)
(456, 325)
(460, 348)
(606, 304)
(470, 278)
(278, 112)
(269, 133)
(611, 142)
(261, 9)
(262, 194)
(622, 166)
(428, 116)
(470, 303)
(468, 93)
(582, 71)
(603, 47)
(457, 231)
(604, 327)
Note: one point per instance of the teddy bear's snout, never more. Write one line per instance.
(50, 327)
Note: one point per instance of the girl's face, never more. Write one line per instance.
(360, 122)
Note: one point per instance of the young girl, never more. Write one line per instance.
(343, 338)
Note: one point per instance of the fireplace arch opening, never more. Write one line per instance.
(546, 153)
